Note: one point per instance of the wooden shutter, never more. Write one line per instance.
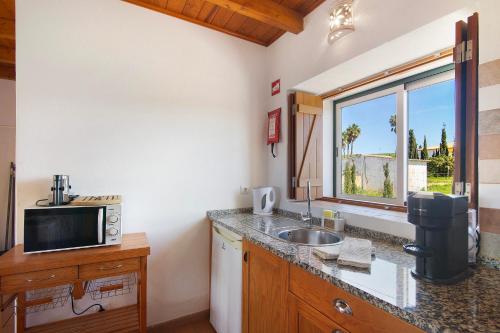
(460, 93)
(466, 103)
(471, 116)
(305, 145)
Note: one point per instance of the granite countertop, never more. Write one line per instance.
(472, 305)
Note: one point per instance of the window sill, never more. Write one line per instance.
(386, 221)
(376, 205)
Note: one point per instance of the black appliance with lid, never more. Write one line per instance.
(441, 246)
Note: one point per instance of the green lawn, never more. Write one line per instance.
(370, 193)
(439, 184)
(434, 184)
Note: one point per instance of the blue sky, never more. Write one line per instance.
(429, 108)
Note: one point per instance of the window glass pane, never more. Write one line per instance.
(431, 136)
(369, 142)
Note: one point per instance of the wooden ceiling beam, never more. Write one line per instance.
(7, 55)
(7, 72)
(193, 20)
(8, 9)
(266, 11)
(7, 29)
(7, 40)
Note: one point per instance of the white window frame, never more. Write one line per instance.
(428, 81)
(401, 180)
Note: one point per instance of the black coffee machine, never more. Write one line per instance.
(441, 247)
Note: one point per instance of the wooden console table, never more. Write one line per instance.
(21, 272)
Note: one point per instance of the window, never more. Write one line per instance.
(368, 152)
(431, 124)
(395, 139)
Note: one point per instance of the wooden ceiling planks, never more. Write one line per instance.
(193, 8)
(176, 5)
(7, 9)
(221, 17)
(309, 6)
(273, 33)
(260, 31)
(7, 55)
(7, 72)
(258, 21)
(294, 4)
(7, 28)
(161, 3)
(196, 20)
(207, 10)
(265, 11)
(248, 27)
(7, 40)
(236, 21)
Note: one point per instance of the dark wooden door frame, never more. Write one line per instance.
(471, 115)
(460, 103)
(466, 108)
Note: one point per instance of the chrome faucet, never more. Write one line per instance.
(307, 217)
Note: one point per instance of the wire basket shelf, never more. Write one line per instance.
(47, 298)
(113, 286)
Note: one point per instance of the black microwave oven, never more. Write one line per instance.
(56, 228)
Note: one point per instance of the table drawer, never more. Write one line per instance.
(38, 279)
(108, 268)
(347, 310)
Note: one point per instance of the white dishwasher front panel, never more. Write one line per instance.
(226, 281)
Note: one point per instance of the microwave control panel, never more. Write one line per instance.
(113, 224)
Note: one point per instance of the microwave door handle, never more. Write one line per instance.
(100, 216)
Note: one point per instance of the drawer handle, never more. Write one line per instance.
(109, 268)
(40, 280)
(337, 331)
(342, 307)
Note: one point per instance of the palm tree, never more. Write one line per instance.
(353, 133)
(345, 142)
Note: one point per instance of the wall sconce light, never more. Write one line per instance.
(341, 20)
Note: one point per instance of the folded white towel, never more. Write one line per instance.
(331, 252)
(356, 252)
(328, 252)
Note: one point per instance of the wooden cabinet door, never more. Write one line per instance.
(265, 288)
(302, 318)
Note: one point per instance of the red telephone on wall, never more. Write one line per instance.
(273, 128)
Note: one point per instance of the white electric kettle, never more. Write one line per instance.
(264, 199)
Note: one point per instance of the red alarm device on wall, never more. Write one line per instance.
(273, 128)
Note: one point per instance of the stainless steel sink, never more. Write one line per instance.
(307, 236)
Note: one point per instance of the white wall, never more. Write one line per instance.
(7, 146)
(164, 112)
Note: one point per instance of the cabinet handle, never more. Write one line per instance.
(342, 307)
(245, 256)
(108, 268)
(40, 280)
(337, 331)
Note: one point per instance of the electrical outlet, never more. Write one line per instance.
(244, 190)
